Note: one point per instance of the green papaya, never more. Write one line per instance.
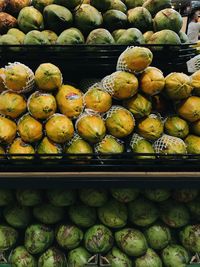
(51, 36)
(118, 5)
(147, 35)
(133, 3)
(70, 4)
(8, 39)
(154, 6)
(36, 38)
(114, 19)
(71, 36)
(131, 36)
(18, 34)
(117, 34)
(41, 4)
(57, 18)
(100, 36)
(183, 37)
(101, 5)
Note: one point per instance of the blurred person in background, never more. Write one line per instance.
(193, 32)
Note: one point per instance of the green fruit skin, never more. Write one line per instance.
(93, 197)
(47, 213)
(131, 241)
(8, 39)
(71, 36)
(125, 195)
(118, 259)
(29, 197)
(98, 239)
(142, 212)
(158, 236)
(194, 208)
(6, 197)
(30, 19)
(131, 36)
(100, 36)
(143, 146)
(155, 6)
(17, 216)
(41, 4)
(8, 237)
(20, 257)
(150, 259)
(82, 215)
(174, 214)
(185, 195)
(157, 195)
(38, 238)
(132, 4)
(57, 18)
(113, 214)
(118, 5)
(18, 34)
(102, 5)
(190, 238)
(115, 19)
(71, 4)
(140, 18)
(36, 38)
(62, 197)
(183, 37)
(69, 236)
(52, 258)
(51, 36)
(175, 256)
(117, 34)
(78, 257)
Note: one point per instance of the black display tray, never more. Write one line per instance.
(93, 60)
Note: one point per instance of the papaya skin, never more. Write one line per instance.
(8, 130)
(190, 109)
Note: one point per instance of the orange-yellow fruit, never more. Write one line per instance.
(46, 146)
(8, 129)
(70, 101)
(20, 147)
(48, 77)
(2, 76)
(190, 109)
(152, 81)
(195, 127)
(195, 78)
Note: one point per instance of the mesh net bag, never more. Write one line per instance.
(98, 146)
(121, 63)
(74, 139)
(165, 143)
(134, 139)
(87, 112)
(30, 81)
(94, 86)
(108, 84)
(85, 84)
(114, 109)
(193, 64)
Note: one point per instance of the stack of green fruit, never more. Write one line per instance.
(92, 22)
(135, 105)
(60, 228)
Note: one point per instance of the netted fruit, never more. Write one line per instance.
(175, 255)
(46, 146)
(18, 146)
(59, 128)
(70, 101)
(142, 212)
(94, 244)
(8, 129)
(38, 238)
(151, 127)
(131, 241)
(17, 216)
(121, 84)
(69, 236)
(141, 146)
(97, 99)
(189, 109)
(47, 213)
(139, 105)
(61, 197)
(195, 80)
(158, 236)
(82, 215)
(41, 105)
(29, 129)
(178, 86)
(176, 126)
(174, 214)
(119, 122)
(135, 59)
(152, 81)
(93, 197)
(91, 127)
(109, 145)
(52, 258)
(113, 214)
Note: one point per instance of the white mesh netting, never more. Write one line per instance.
(93, 87)
(193, 64)
(121, 63)
(30, 81)
(74, 139)
(98, 146)
(166, 141)
(114, 109)
(108, 83)
(87, 112)
(134, 139)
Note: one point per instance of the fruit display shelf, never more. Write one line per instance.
(93, 60)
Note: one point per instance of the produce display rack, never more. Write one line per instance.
(124, 169)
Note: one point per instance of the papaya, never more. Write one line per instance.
(131, 36)
(189, 109)
(50, 36)
(29, 129)
(195, 78)
(41, 4)
(29, 19)
(71, 36)
(140, 18)
(8, 39)
(2, 76)
(20, 147)
(114, 19)
(46, 146)
(183, 37)
(133, 3)
(147, 35)
(100, 36)
(195, 127)
(139, 105)
(168, 19)
(87, 18)
(8, 130)
(117, 34)
(118, 5)
(12, 104)
(109, 145)
(15, 6)
(18, 34)
(176, 126)
(70, 4)
(6, 22)
(154, 6)
(35, 38)
(193, 144)
(140, 145)
(57, 18)
(48, 77)
(102, 5)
